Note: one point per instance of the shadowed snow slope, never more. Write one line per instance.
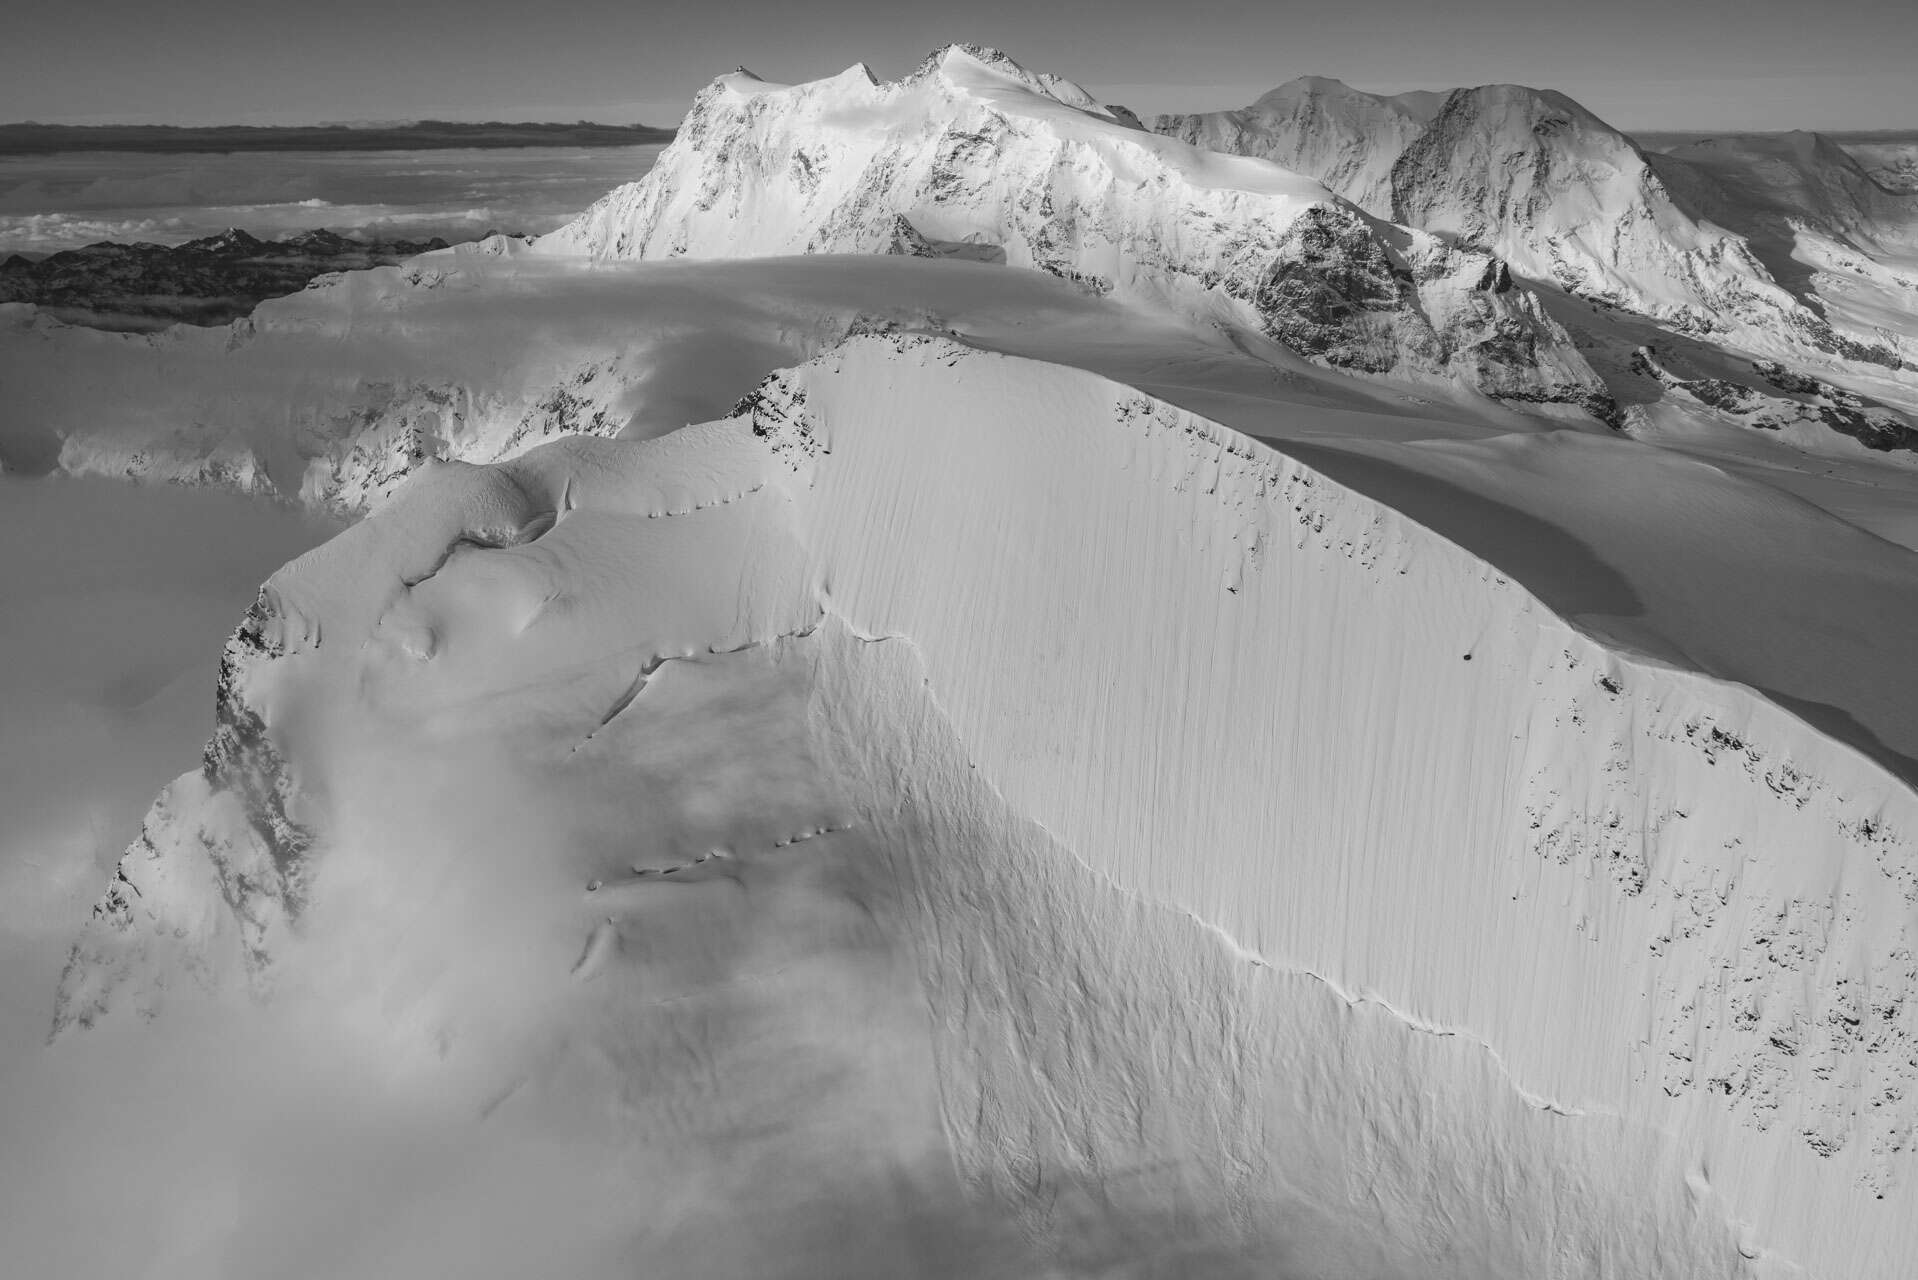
(1047, 793)
(974, 155)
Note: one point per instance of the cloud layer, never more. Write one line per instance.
(59, 202)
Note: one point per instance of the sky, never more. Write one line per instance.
(1646, 64)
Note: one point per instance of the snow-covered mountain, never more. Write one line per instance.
(973, 155)
(952, 686)
(975, 158)
(1251, 849)
(1566, 199)
(1765, 185)
(1346, 138)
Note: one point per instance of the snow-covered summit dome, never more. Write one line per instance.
(974, 155)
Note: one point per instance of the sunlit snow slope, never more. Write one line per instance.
(1209, 868)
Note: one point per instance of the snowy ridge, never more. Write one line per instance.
(972, 155)
(1231, 690)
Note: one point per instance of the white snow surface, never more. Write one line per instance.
(1219, 870)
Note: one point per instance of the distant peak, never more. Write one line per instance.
(1521, 95)
(1327, 84)
(979, 53)
(1546, 110)
(945, 61)
(231, 238)
(1311, 86)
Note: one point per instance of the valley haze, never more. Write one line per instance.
(951, 675)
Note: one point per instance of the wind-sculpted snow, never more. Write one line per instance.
(1287, 888)
(973, 155)
(1568, 201)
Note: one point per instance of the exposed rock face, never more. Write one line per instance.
(207, 282)
(973, 150)
(219, 868)
(1804, 400)
(1535, 178)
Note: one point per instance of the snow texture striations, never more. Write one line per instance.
(1262, 860)
(975, 156)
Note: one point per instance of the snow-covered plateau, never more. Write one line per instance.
(950, 685)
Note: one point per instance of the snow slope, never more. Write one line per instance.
(974, 155)
(1289, 890)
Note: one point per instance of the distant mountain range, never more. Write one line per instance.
(30, 138)
(207, 281)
